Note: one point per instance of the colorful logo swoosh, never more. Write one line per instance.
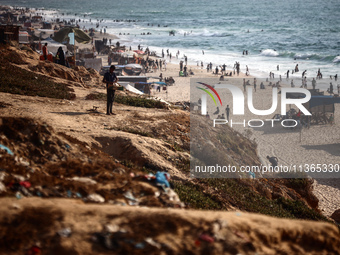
(213, 90)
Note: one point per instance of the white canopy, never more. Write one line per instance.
(53, 46)
(129, 87)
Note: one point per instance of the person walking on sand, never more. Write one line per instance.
(273, 160)
(244, 85)
(255, 84)
(330, 90)
(45, 51)
(110, 78)
(313, 83)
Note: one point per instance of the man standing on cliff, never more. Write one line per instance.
(110, 78)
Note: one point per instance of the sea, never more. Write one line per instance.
(274, 32)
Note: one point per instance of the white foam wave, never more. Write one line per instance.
(269, 53)
(336, 59)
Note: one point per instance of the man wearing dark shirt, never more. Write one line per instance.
(110, 78)
(273, 161)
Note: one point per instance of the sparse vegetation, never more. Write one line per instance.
(240, 195)
(32, 84)
(129, 100)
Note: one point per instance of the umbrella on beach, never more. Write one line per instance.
(79, 35)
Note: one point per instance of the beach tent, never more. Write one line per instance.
(323, 100)
(143, 86)
(322, 104)
(79, 35)
(129, 86)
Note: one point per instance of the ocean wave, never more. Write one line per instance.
(205, 33)
(336, 59)
(315, 56)
(269, 53)
(309, 56)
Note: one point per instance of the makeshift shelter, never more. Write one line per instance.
(130, 87)
(133, 69)
(79, 35)
(145, 87)
(24, 37)
(127, 57)
(320, 106)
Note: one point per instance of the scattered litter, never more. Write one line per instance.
(67, 146)
(2, 176)
(162, 179)
(3, 147)
(34, 250)
(25, 184)
(25, 192)
(20, 178)
(207, 238)
(2, 187)
(140, 245)
(128, 195)
(83, 179)
(69, 193)
(242, 236)
(217, 227)
(18, 195)
(65, 232)
(111, 228)
(95, 198)
(150, 241)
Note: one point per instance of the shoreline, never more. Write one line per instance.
(259, 64)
